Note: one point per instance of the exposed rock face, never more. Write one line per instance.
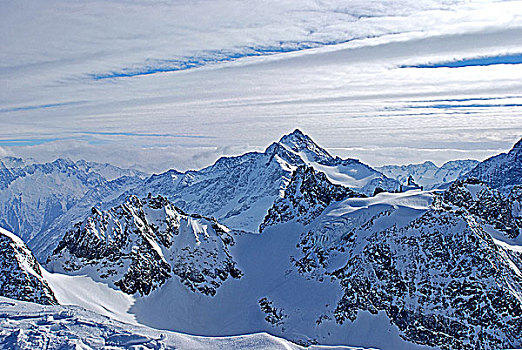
(140, 244)
(306, 196)
(438, 275)
(20, 274)
(502, 171)
(488, 204)
(440, 262)
(274, 315)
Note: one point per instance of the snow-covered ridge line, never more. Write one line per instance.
(239, 190)
(502, 171)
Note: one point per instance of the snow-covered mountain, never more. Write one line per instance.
(491, 206)
(108, 171)
(13, 162)
(41, 200)
(238, 191)
(305, 198)
(312, 251)
(394, 254)
(396, 261)
(21, 275)
(140, 244)
(424, 268)
(44, 243)
(502, 171)
(33, 196)
(427, 174)
(28, 326)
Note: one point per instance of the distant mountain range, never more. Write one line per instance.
(428, 174)
(291, 241)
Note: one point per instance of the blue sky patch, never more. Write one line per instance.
(472, 62)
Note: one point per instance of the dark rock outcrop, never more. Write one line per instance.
(20, 274)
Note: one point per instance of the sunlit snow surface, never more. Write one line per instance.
(176, 84)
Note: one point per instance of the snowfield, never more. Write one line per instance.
(28, 326)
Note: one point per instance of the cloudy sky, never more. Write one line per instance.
(176, 84)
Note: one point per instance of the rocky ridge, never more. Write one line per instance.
(439, 275)
(140, 244)
(21, 276)
(502, 171)
(305, 198)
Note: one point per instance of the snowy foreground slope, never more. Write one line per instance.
(26, 326)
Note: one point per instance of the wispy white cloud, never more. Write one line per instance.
(256, 69)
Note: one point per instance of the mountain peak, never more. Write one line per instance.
(299, 142)
(517, 147)
(295, 136)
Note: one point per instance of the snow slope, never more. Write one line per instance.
(26, 326)
(95, 296)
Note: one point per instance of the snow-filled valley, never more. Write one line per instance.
(284, 248)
